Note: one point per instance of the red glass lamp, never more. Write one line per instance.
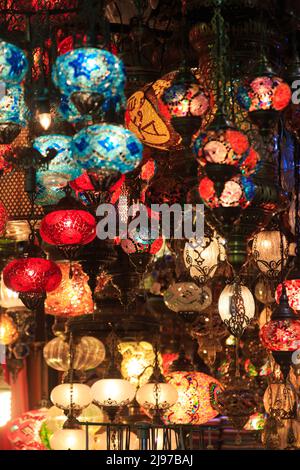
(69, 226)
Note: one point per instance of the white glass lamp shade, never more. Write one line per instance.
(266, 250)
(68, 439)
(80, 393)
(160, 395)
(9, 298)
(113, 392)
(201, 257)
(5, 403)
(225, 300)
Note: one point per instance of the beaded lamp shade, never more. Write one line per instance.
(264, 93)
(281, 335)
(237, 192)
(13, 63)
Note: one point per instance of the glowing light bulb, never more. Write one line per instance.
(45, 120)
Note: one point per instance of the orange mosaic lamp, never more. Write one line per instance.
(73, 297)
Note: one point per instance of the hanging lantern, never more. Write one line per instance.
(281, 335)
(32, 278)
(264, 93)
(13, 63)
(69, 439)
(157, 396)
(5, 402)
(137, 362)
(58, 172)
(107, 146)
(24, 431)
(71, 396)
(195, 392)
(73, 296)
(8, 330)
(113, 392)
(279, 401)
(187, 297)
(202, 258)
(236, 307)
(150, 111)
(94, 78)
(13, 113)
(69, 226)
(266, 251)
(89, 352)
(236, 193)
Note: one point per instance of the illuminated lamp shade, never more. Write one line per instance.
(5, 402)
(195, 394)
(13, 113)
(68, 227)
(9, 298)
(222, 146)
(32, 275)
(89, 352)
(8, 330)
(266, 251)
(279, 401)
(161, 396)
(187, 297)
(13, 63)
(60, 170)
(107, 146)
(76, 396)
(24, 432)
(264, 93)
(201, 257)
(256, 422)
(73, 296)
(281, 335)
(94, 78)
(116, 440)
(243, 317)
(150, 110)
(293, 292)
(264, 316)
(113, 392)
(264, 292)
(137, 363)
(68, 439)
(237, 192)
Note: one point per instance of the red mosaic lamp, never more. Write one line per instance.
(69, 227)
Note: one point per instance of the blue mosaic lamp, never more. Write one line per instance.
(68, 111)
(93, 78)
(53, 177)
(107, 146)
(13, 113)
(13, 63)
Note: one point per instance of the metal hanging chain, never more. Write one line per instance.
(32, 220)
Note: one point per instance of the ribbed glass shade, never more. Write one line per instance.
(13, 63)
(107, 146)
(80, 393)
(113, 392)
(73, 297)
(68, 439)
(89, 352)
(157, 395)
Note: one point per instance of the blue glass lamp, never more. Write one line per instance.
(13, 63)
(93, 78)
(52, 178)
(107, 146)
(13, 113)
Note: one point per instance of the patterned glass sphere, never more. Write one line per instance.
(157, 396)
(225, 301)
(293, 292)
(73, 297)
(237, 192)
(137, 363)
(62, 168)
(107, 146)
(89, 352)
(187, 297)
(68, 227)
(13, 108)
(202, 258)
(266, 251)
(13, 63)
(186, 99)
(264, 93)
(223, 146)
(195, 393)
(23, 432)
(91, 70)
(36, 275)
(281, 335)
